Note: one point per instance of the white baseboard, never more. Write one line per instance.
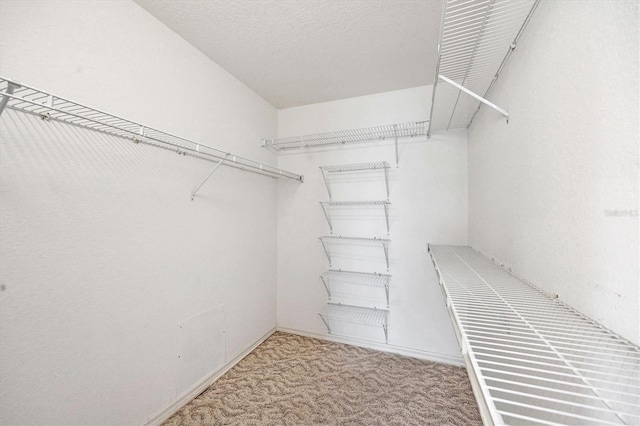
(401, 350)
(201, 386)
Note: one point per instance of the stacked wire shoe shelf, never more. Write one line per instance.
(360, 167)
(383, 242)
(355, 315)
(326, 205)
(370, 279)
(350, 313)
(531, 358)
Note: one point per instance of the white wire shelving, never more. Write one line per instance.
(531, 358)
(359, 167)
(355, 315)
(369, 279)
(27, 99)
(326, 205)
(383, 242)
(477, 37)
(343, 137)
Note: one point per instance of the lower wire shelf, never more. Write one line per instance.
(531, 358)
(355, 315)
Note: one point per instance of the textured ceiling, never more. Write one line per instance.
(301, 52)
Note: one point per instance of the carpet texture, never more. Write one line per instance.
(295, 380)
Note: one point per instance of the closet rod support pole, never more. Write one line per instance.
(5, 99)
(207, 178)
(474, 95)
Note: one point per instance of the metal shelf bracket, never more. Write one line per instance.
(475, 95)
(208, 176)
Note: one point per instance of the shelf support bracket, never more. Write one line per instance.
(385, 247)
(475, 95)
(326, 182)
(5, 99)
(326, 215)
(326, 286)
(326, 252)
(386, 215)
(325, 323)
(386, 181)
(207, 178)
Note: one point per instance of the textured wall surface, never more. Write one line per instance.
(544, 190)
(428, 205)
(102, 252)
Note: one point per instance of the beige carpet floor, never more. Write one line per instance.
(295, 380)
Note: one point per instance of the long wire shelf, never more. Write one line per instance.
(476, 40)
(20, 97)
(343, 168)
(341, 137)
(383, 242)
(358, 167)
(369, 279)
(531, 358)
(355, 315)
(326, 204)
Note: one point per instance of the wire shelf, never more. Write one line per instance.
(476, 40)
(326, 204)
(355, 167)
(355, 315)
(384, 243)
(342, 137)
(535, 359)
(369, 279)
(47, 106)
(390, 131)
(378, 165)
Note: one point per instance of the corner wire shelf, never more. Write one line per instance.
(342, 137)
(27, 99)
(384, 242)
(326, 204)
(477, 37)
(355, 315)
(346, 168)
(531, 358)
(370, 279)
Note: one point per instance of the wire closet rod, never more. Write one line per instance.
(20, 97)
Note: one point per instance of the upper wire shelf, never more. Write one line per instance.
(355, 315)
(535, 359)
(386, 132)
(344, 168)
(477, 38)
(47, 106)
(370, 279)
(355, 167)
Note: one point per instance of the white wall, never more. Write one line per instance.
(103, 253)
(540, 188)
(428, 205)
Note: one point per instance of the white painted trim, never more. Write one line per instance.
(401, 350)
(200, 387)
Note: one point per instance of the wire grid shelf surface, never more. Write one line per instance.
(343, 168)
(370, 279)
(390, 131)
(357, 239)
(477, 37)
(355, 203)
(354, 314)
(537, 360)
(27, 99)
